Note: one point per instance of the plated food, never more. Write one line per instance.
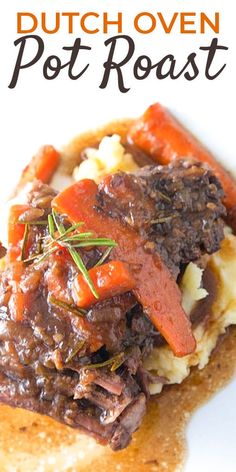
(115, 286)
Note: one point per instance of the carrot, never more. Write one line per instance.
(155, 288)
(108, 279)
(15, 231)
(43, 165)
(161, 136)
(46, 162)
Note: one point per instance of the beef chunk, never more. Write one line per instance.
(129, 422)
(177, 209)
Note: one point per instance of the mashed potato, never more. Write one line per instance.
(108, 158)
(191, 287)
(163, 361)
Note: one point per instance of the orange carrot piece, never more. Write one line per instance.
(161, 136)
(42, 165)
(46, 162)
(108, 279)
(15, 229)
(155, 287)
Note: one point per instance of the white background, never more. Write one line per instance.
(40, 112)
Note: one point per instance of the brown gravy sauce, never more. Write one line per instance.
(30, 442)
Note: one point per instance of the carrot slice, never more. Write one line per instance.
(15, 231)
(46, 162)
(161, 136)
(155, 287)
(42, 165)
(108, 279)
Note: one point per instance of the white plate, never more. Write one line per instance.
(212, 430)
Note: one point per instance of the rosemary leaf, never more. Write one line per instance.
(99, 365)
(73, 228)
(75, 351)
(67, 239)
(66, 306)
(95, 242)
(51, 226)
(80, 264)
(104, 256)
(60, 226)
(77, 237)
(24, 243)
(115, 363)
(45, 255)
(118, 361)
(31, 259)
(35, 223)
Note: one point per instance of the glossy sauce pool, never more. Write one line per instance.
(30, 442)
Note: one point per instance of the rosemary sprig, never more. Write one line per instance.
(71, 241)
(66, 306)
(24, 243)
(76, 257)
